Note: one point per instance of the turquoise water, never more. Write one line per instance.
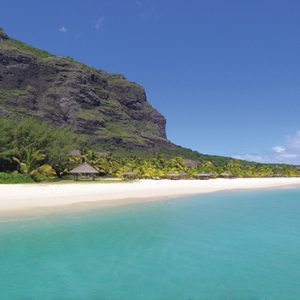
(241, 245)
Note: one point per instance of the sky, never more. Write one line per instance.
(225, 74)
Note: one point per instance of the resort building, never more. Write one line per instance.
(85, 170)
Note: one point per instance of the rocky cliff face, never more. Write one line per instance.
(107, 107)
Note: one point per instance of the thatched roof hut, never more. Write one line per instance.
(173, 176)
(84, 169)
(204, 175)
(130, 174)
(226, 175)
(278, 175)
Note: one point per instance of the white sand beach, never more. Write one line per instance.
(27, 196)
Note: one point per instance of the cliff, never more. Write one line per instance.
(109, 109)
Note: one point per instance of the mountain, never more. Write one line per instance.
(110, 110)
(107, 107)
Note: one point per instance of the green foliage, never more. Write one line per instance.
(6, 93)
(41, 152)
(31, 143)
(116, 129)
(86, 114)
(43, 173)
(30, 161)
(80, 64)
(15, 44)
(159, 165)
(14, 177)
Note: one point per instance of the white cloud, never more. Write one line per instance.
(288, 153)
(139, 3)
(291, 150)
(278, 149)
(98, 23)
(62, 29)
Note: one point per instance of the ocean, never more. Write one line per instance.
(229, 245)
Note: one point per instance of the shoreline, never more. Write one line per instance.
(22, 197)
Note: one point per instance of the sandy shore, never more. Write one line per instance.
(27, 196)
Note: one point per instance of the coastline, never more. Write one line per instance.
(25, 197)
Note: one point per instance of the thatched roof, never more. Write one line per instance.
(204, 175)
(225, 174)
(173, 174)
(128, 173)
(85, 168)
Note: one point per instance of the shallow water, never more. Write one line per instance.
(238, 245)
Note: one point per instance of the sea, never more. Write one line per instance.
(226, 245)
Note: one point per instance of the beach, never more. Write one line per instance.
(28, 196)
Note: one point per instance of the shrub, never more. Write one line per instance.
(44, 172)
(14, 177)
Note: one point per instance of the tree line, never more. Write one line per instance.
(41, 152)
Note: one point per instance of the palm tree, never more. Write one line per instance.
(30, 160)
(107, 165)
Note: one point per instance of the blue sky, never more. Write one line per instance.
(226, 74)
